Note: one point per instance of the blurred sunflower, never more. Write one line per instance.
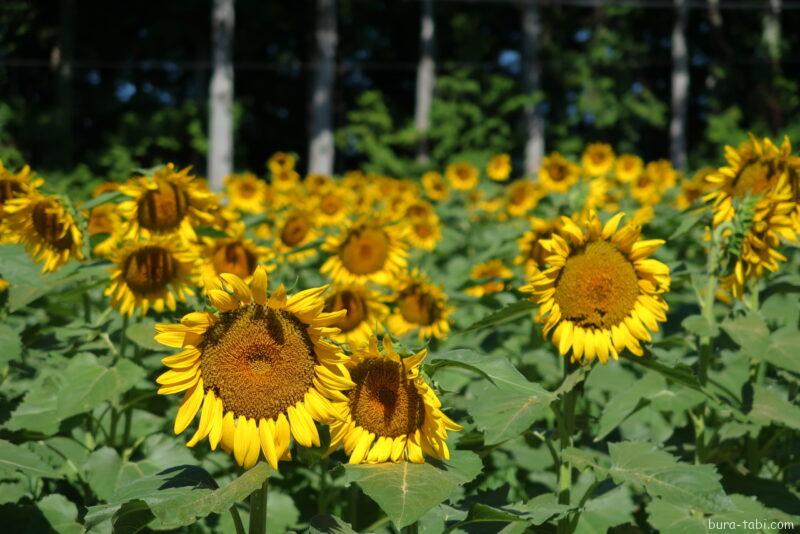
(392, 414)
(657, 178)
(156, 273)
(246, 192)
(281, 162)
(628, 168)
(499, 168)
(168, 202)
(333, 205)
(435, 186)
(557, 173)
(104, 220)
(419, 305)
(419, 209)
(367, 250)
(522, 196)
(597, 159)
(16, 185)
(294, 233)
(45, 227)
(234, 254)
(317, 182)
(285, 181)
(462, 176)
(532, 255)
(365, 314)
(259, 371)
(424, 233)
(601, 292)
(493, 273)
(692, 190)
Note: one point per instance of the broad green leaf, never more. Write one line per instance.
(625, 402)
(483, 513)
(510, 313)
(20, 458)
(750, 332)
(699, 325)
(606, 511)
(770, 406)
(573, 379)
(61, 513)
(405, 491)
(142, 332)
(783, 349)
(745, 514)
(11, 492)
(688, 220)
(543, 508)
(10, 344)
(329, 524)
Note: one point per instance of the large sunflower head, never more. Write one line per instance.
(557, 173)
(167, 202)
(365, 309)
(462, 176)
(491, 277)
(246, 192)
(367, 250)
(154, 273)
(258, 371)
(435, 186)
(628, 168)
(419, 306)
(601, 292)
(597, 159)
(499, 168)
(391, 414)
(46, 227)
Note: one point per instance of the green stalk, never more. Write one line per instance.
(123, 337)
(237, 520)
(258, 509)
(87, 307)
(566, 429)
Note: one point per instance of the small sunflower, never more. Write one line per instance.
(366, 312)
(258, 372)
(294, 233)
(234, 254)
(693, 190)
(601, 292)
(168, 202)
(420, 305)
(246, 192)
(317, 182)
(493, 275)
(499, 168)
(628, 168)
(16, 185)
(532, 255)
(46, 227)
(597, 159)
(285, 181)
(281, 162)
(367, 250)
(424, 233)
(156, 274)
(391, 414)
(462, 176)
(435, 186)
(522, 196)
(333, 205)
(557, 173)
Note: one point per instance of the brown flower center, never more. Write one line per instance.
(384, 401)
(258, 360)
(162, 209)
(352, 302)
(48, 223)
(753, 178)
(423, 229)
(234, 258)
(295, 230)
(149, 269)
(557, 172)
(597, 287)
(418, 306)
(365, 250)
(9, 189)
(330, 204)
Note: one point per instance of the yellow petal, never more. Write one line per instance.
(239, 288)
(188, 408)
(258, 286)
(266, 433)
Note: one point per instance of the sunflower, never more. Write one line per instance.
(168, 202)
(492, 274)
(233, 254)
(628, 168)
(532, 255)
(333, 205)
(156, 274)
(246, 192)
(462, 176)
(3, 285)
(692, 190)
(597, 159)
(557, 173)
(366, 312)
(317, 182)
(294, 233)
(424, 233)
(499, 168)
(435, 186)
(258, 371)
(367, 250)
(392, 414)
(46, 227)
(419, 305)
(285, 181)
(601, 292)
(16, 185)
(522, 196)
(104, 220)
(281, 162)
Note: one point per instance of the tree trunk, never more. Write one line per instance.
(680, 87)
(220, 125)
(531, 74)
(61, 58)
(321, 148)
(772, 32)
(426, 78)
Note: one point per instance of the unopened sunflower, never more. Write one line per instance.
(46, 227)
(597, 159)
(246, 192)
(391, 414)
(156, 273)
(557, 173)
(491, 277)
(168, 202)
(365, 309)
(258, 372)
(462, 176)
(601, 293)
(367, 250)
(435, 186)
(419, 306)
(499, 168)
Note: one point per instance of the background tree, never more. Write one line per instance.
(320, 146)
(220, 103)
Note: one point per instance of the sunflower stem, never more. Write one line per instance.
(566, 428)
(237, 520)
(258, 509)
(87, 307)
(123, 337)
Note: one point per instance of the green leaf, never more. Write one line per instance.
(20, 458)
(750, 332)
(699, 325)
(176, 497)
(606, 511)
(770, 407)
(61, 513)
(688, 220)
(10, 343)
(742, 515)
(329, 524)
(543, 508)
(103, 198)
(142, 332)
(625, 402)
(783, 349)
(405, 491)
(508, 314)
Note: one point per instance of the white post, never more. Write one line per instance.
(321, 147)
(426, 78)
(531, 74)
(220, 124)
(680, 87)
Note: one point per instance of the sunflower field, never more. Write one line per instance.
(611, 345)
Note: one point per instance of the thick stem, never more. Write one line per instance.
(258, 509)
(87, 308)
(566, 428)
(123, 336)
(237, 520)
